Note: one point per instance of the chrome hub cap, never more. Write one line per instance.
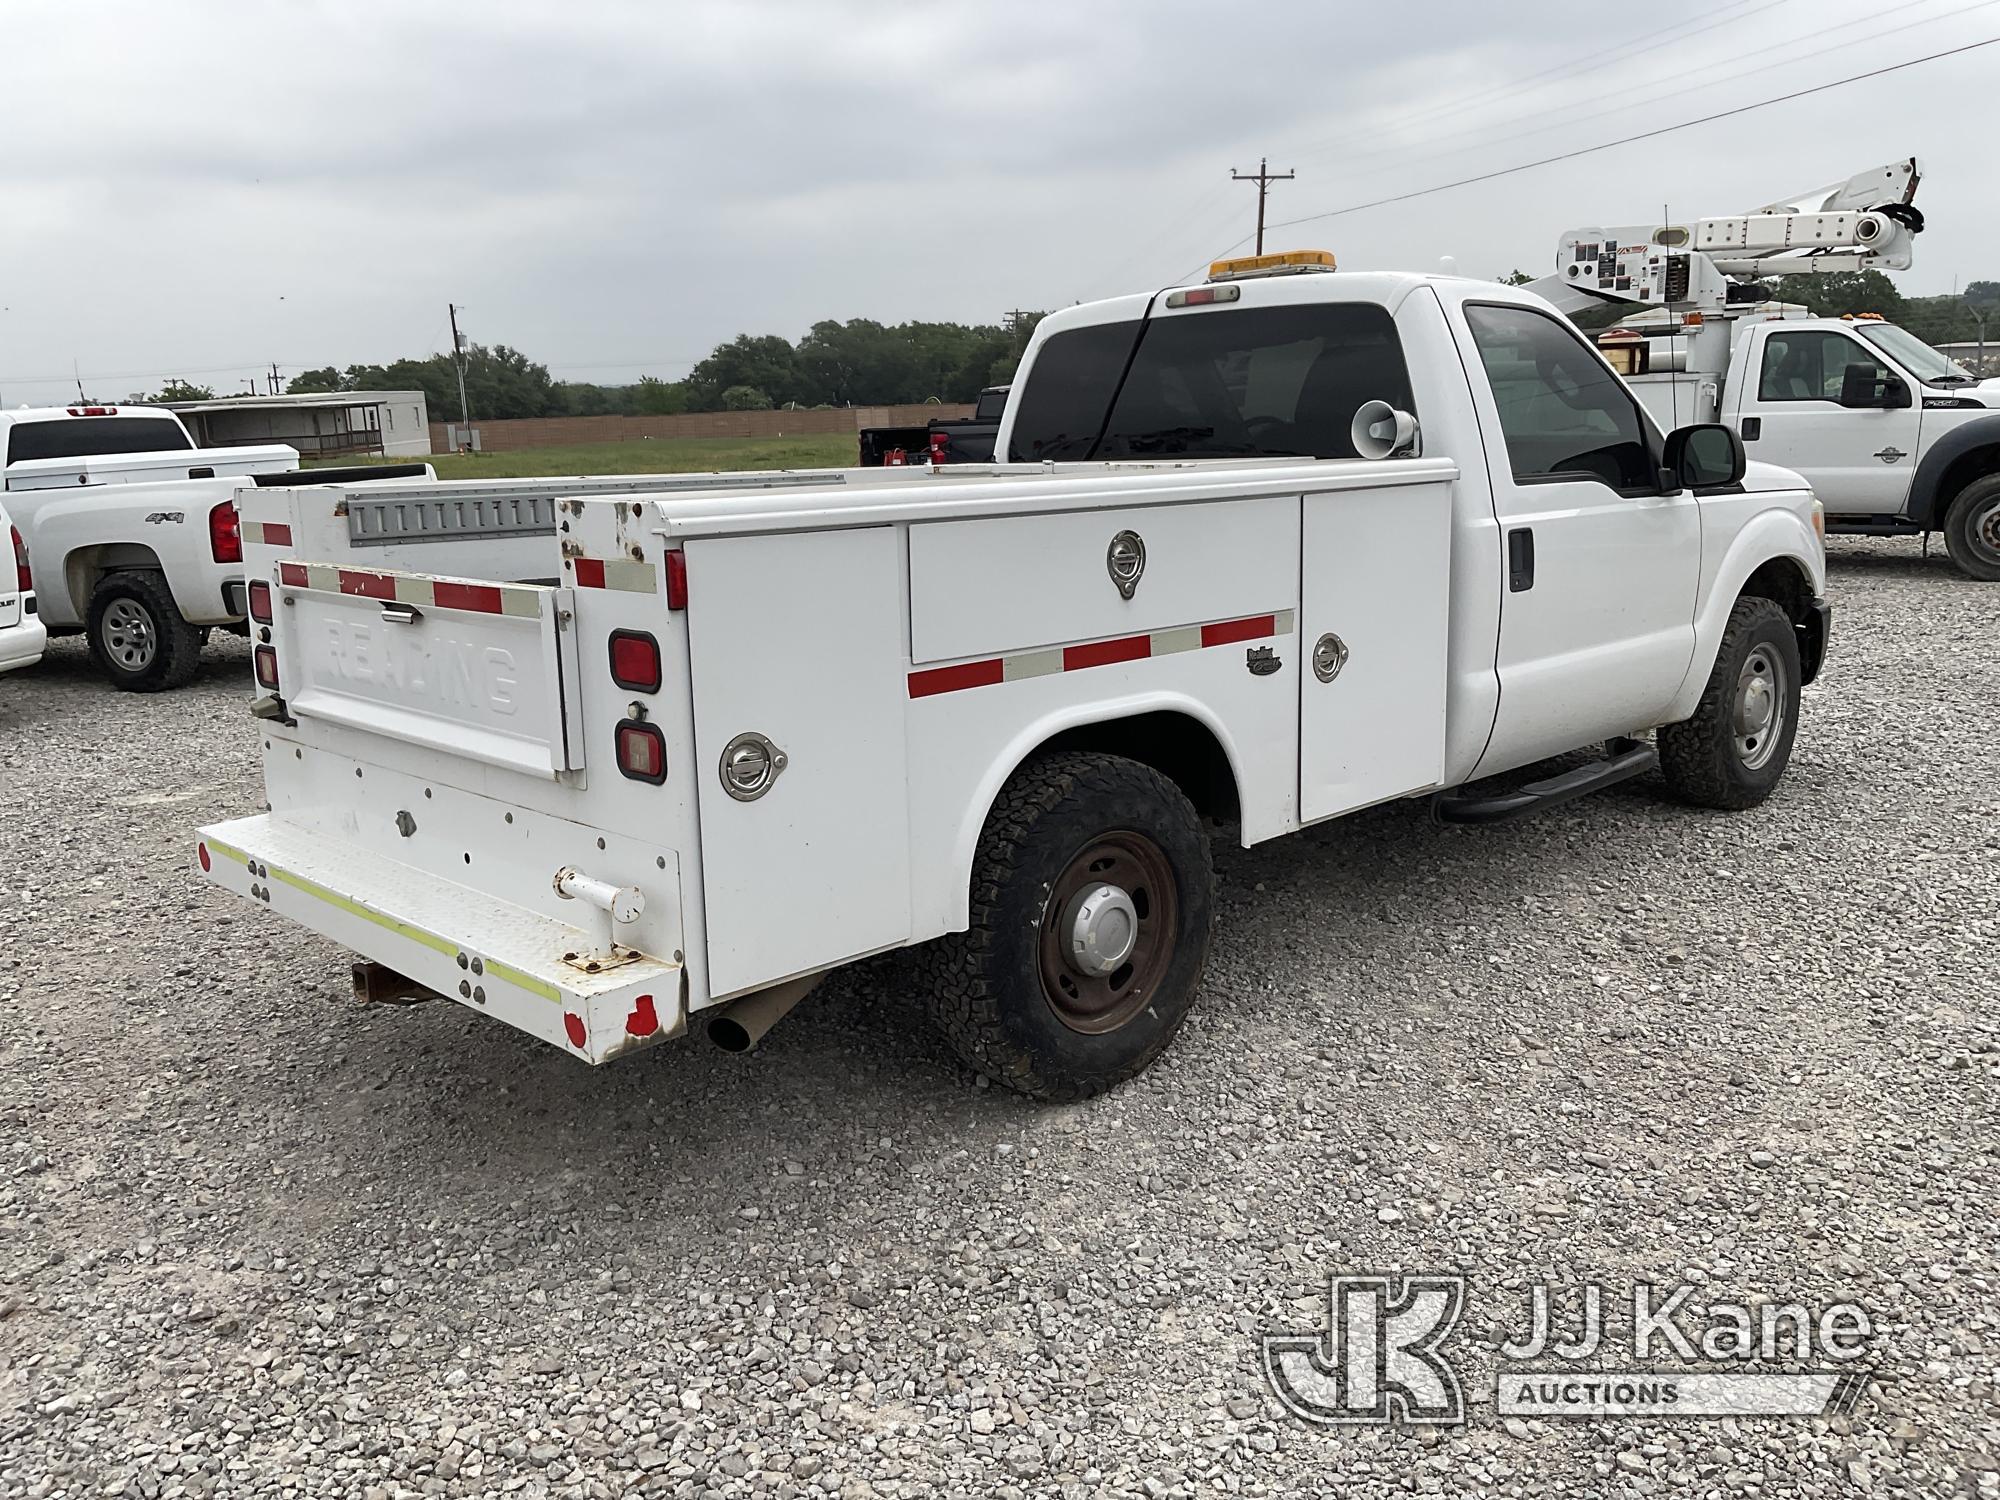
(1760, 708)
(129, 637)
(1102, 927)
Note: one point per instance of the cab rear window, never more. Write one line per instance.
(78, 437)
(1255, 382)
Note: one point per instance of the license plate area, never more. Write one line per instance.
(480, 670)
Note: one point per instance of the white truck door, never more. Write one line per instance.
(1792, 382)
(1597, 606)
(1376, 612)
(798, 641)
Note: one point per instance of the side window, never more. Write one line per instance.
(1811, 365)
(1563, 414)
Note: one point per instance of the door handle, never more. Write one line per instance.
(401, 614)
(1751, 428)
(1520, 559)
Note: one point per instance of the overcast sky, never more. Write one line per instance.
(200, 188)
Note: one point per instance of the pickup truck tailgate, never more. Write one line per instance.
(485, 671)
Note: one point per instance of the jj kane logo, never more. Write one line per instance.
(1385, 1355)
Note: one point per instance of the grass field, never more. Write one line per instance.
(652, 456)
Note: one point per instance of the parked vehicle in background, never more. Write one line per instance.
(945, 440)
(1895, 439)
(131, 531)
(624, 753)
(22, 634)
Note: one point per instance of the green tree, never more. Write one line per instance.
(745, 398)
(181, 390)
(1516, 277)
(765, 362)
(653, 397)
(313, 382)
(1844, 292)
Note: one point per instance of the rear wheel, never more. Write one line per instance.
(1092, 901)
(138, 638)
(1972, 529)
(1735, 748)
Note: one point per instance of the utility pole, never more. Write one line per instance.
(1263, 177)
(458, 360)
(275, 388)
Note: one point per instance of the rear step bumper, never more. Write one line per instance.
(1628, 758)
(489, 955)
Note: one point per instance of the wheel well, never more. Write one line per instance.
(86, 567)
(1961, 471)
(1786, 585)
(1177, 745)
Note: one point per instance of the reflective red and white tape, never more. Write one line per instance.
(267, 533)
(617, 573)
(415, 588)
(929, 681)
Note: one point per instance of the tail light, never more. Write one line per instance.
(642, 751)
(225, 533)
(635, 661)
(267, 668)
(22, 580)
(260, 601)
(677, 580)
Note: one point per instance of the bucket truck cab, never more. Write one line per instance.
(1895, 439)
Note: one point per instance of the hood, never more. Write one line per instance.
(1763, 476)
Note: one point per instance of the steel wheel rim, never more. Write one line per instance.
(1984, 531)
(129, 637)
(1759, 709)
(1098, 1004)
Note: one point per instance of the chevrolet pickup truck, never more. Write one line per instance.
(624, 757)
(130, 530)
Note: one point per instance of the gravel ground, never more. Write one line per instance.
(255, 1240)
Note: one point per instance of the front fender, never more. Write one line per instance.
(1926, 499)
(1777, 532)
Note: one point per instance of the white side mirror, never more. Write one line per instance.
(1381, 431)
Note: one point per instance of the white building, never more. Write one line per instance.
(328, 424)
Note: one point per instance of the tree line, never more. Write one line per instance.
(857, 363)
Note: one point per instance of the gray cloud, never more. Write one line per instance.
(614, 186)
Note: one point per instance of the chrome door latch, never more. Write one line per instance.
(1329, 656)
(1125, 561)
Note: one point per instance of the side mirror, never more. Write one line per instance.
(1896, 394)
(1869, 387)
(1706, 456)
(1379, 430)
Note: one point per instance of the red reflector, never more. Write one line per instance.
(225, 533)
(482, 597)
(201, 853)
(294, 575)
(260, 602)
(642, 751)
(590, 573)
(267, 668)
(635, 660)
(677, 580)
(22, 579)
(367, 585)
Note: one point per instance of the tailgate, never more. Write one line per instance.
(465, 668)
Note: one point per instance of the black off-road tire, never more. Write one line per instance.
(989, 993)
(1702, 756)
(120, 601)
(1972, 529)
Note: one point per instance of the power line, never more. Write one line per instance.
(1644, 135)
(1263, 177)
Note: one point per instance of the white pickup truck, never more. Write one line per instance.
(22, 634)
(130, 530)
(601, 756)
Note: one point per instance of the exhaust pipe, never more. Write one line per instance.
(741, 1024)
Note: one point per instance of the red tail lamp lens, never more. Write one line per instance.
(642, 752)
(677, 580)
(201, 853)
(635, 661)
(225, 533)
(260, 602)
(267, 668)
(22, 579)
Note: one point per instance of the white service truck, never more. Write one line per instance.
(605, 757)
(130, 530)
(22, 634)
(1894, 438)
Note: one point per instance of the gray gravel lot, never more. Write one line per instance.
(256, 1240)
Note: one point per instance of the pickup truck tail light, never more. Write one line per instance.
(635, 661)
(642, 751)
(267, 668)
(260, 601)
(22, 580)
(225, 533)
